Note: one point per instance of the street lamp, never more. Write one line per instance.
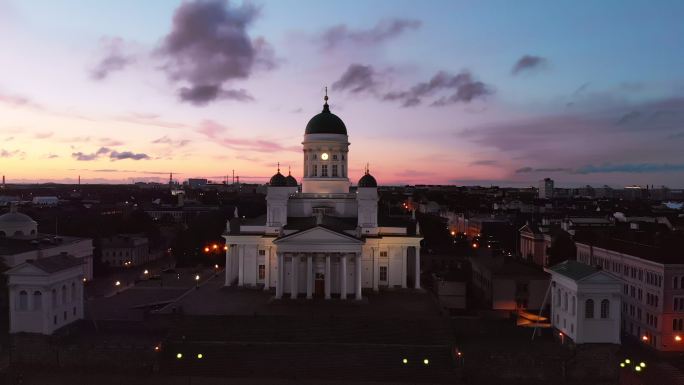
(146, 272)
(117, 283)
(678, 338)
(206, 249)
(426, 361)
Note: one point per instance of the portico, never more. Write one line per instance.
(316, 260)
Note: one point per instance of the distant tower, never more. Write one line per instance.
(79, 180)
(3, 181)
(546, 188)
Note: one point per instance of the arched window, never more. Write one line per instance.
(64, 295)
(37, 300)
(73, 291)
(574, 305)
(23, 300)
(589, 308)
(605, 308)
(565, 301)
(558, 297)
(674, 285)
(54, 298)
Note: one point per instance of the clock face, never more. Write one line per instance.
(324, 156)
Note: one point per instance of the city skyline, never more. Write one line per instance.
(451, 93)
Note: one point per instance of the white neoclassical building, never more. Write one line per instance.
(45, 294)
(325, 239)
(585, 303)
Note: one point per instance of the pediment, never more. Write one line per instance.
(599, 277)
(318, 235)
(25, 269)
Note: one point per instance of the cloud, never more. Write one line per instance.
(12, 154)
(202, 95)
(528, 64)
(216, 131)
(356, 79)
(485, 162)
(637, 168)
(52, 156)
(208, 46)
(87, 157)
(531, 169)
(461, 87)
(113, 58)
(387, 29)
(175, 143)
(111, 170)
(110, 142)
(115, 155)
(14, 100)
(43, 135)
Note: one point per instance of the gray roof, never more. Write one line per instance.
(56, 263)
(574, 270)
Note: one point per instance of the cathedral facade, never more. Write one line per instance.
(324, 238)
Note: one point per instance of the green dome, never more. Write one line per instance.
(291, 181)
(278, 180)
(368, 181)
(326, 123)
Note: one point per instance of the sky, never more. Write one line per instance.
(436, 92)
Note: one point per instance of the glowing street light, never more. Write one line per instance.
(216, 266)
(117, 283)
(206, 249)
(622, 364)
(637, 368)
(199, 356)
(644, 338)
(426, 361)
(475, 246)
(628, 361)
(225, 248)
(453, 233)
(678, 338)
(179, 356)
(146, 272)
(642, 364)
(156, 348)
(197, 277)
(215, 246)
(404, 361)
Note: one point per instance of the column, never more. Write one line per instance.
(294, 279)
(309, 276)
(280, 276)
(358, 276)
(267, 267)
(343, 276)
(229, 267)
(403, 267)
(376, 268)
(417, 267)
(327, 277)
(241, 265)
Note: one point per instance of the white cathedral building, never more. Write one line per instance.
(325, 239)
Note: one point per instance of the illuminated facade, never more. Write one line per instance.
(324, 239)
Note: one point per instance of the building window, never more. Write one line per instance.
(23, 300)
(675, 282)
(73, 291)
(262, 271)
(342, 169)
(64, 295)
(315, 170)
(262, 252)
(74, 311)
(558, 298)
(65, 315)
(678, 325)
(383, 253)
(605, 308)
(324, 170)
(565, 301)
(335, 157)
(54, 298)
(574, 305)
(334, 170)
(383, 273)
(37, 300)
(589, 308)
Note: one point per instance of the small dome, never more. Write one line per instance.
(291, 181)
(368, 181)
(15, 218)
(326, 123)
(278, 180)
(17, 225)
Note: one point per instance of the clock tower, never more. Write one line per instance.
(326, 154)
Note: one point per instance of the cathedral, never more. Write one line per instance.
(324, 238)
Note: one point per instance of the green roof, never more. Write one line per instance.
(574, 270)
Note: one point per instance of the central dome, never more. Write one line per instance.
(326, 123)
